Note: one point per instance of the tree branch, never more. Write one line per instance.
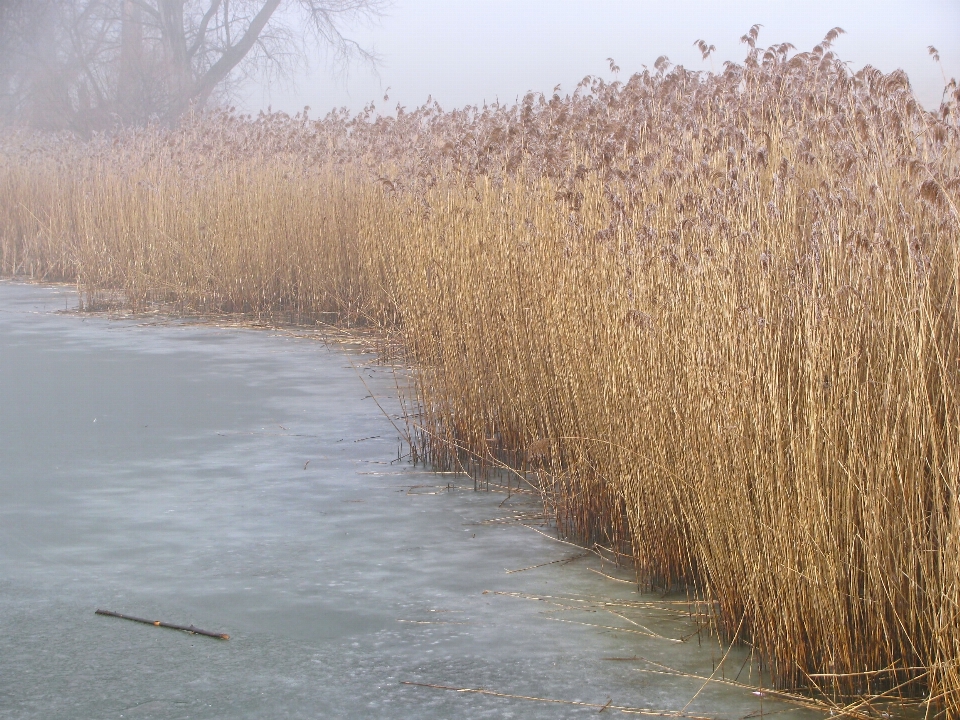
(233, 55)
(146, 8)
(202, 30)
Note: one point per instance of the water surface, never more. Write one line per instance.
(245, 482)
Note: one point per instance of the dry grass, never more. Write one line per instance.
(713, 318)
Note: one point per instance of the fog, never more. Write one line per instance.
(472, 52)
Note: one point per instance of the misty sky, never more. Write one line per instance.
(468, 51)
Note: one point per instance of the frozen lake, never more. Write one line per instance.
(243, 481)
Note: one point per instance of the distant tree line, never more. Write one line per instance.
(86, 65)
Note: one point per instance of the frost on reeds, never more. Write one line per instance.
(715, 316)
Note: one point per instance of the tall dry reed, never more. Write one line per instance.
(717, 313)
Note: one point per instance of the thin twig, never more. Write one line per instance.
(621, 708)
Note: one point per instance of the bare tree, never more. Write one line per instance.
(96, 62)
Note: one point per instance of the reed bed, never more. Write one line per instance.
(712, 317)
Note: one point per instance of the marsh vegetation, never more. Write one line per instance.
(713, 317)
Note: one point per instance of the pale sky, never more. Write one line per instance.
(464, 52)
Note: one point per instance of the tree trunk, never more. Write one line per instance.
(179, 72)
(130, 76)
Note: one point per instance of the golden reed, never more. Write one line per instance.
(719, 313)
